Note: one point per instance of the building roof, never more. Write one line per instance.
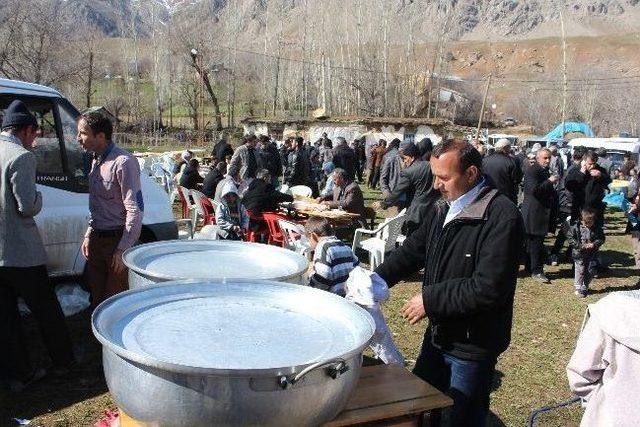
(350, 120)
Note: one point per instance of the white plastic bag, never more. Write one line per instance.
(365, 287)
(72, 298)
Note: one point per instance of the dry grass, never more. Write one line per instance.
(530, 374)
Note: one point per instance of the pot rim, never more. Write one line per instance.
(195, 370)
(129, 253)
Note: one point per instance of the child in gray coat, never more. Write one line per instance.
(585, 238)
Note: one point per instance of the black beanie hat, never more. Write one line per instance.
(17, 114)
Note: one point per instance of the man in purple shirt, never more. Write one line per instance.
(115, 204)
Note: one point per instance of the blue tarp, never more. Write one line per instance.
(570, 127)
(618, 201)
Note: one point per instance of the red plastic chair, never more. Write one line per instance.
(275, 234)
(204, 207)
(183, 202)
(254, 236)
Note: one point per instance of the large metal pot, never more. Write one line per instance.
(212, 259)
(203, 353)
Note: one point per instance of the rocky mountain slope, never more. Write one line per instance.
(471, 19)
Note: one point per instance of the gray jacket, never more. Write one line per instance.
(244, 161)
(390, 172)
(20, 241)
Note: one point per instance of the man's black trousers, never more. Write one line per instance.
(32, 284)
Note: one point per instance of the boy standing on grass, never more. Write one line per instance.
(333, 267)
(585, 238)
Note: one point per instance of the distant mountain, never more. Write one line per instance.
(471, 19)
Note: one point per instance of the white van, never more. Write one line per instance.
(61, 176)
(616, 147)
(495, 137)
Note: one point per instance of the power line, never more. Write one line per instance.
(595, 81)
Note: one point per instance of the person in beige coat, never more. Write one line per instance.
(605, 367)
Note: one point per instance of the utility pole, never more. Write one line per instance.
(564, 74)
(484, 102)
(324, 86)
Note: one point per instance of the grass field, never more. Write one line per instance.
(530, 374)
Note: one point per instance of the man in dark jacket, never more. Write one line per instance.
(390, 171)
(469, 250)
(221, 150)
(345, 158)
(416, 184)
(299, 164)
(596, 185)
(538, 211)
(502, 170)
(567, 215)
(261, 196)
(269, 158)
(191, 176)
(212, 179)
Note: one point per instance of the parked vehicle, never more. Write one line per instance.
(546, 142)
(495, 137)
(61, 177)
(616, 147)
(510, 121)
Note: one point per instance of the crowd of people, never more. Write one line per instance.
(472, 219)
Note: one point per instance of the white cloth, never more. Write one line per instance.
(462, 202)
(604, 368)
(368, 289)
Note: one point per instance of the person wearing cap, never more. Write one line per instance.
(116, 207)
(502, 171)
(23, 271)
(182, 162)
(416, 182)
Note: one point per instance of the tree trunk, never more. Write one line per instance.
(90, 78)
(214, 100)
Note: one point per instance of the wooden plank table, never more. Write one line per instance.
(388, 395)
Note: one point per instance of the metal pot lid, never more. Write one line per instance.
(231, 326)
(214, 259)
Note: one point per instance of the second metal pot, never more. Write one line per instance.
(212, 260)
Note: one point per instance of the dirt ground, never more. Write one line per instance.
(530, 374)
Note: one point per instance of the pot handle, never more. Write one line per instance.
(339, 367)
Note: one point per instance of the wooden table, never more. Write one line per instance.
(386, 395)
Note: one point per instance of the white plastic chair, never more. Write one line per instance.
(185, 234)
(208, 232)
(191, 205)
(295, 237)
(383, 240)
(300, 191)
